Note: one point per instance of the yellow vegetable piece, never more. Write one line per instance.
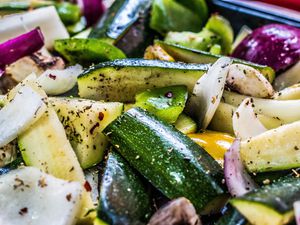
(157, 52)
(215, 143)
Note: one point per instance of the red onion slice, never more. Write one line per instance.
(237, 179)
(92, 10)
(23, 45)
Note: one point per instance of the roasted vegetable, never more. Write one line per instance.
(172, 162)
(275, 45)
(271, 204)
(87, 51)
(124, 198)
(126, 25)
(166, 103)
(121, 80)
(178, 211)
(215, 143)
(183, 54)
(165, 14)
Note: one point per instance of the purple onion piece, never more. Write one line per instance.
(275, 45)
(92, 10)
(23, 45)
(237, 179)
(297, 212)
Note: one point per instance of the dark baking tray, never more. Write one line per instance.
(239, 14)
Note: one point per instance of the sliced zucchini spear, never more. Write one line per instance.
(121, 80)
(276, 149)
(84, 121)
(171, 161)
(208, 92)
(271, 204)
(183, 54)
(124, 198)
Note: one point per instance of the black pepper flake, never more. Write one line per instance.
(23, 211)
(69, 197)
(42, 183)
(94, 127)
(296, 148)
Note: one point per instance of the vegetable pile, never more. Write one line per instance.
(146, 112)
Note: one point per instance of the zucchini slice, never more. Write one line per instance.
(273, 150)
(188, 55)
(126, 25)
(45, 146)
(121, 80)
(84, 121)
(270, 205)
(185, 124)
(124, 198)
(171, 161)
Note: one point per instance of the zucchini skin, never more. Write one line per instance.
(13, 165)
(184, 54)
(121, 80)
(124, 199)
(140, 63)
(126, 25)
(279, 195)
(171, 161)
(231, 217)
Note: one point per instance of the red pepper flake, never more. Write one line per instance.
(169, 94)
(87, 186)
(94, 127)
(23, 211)
(101, 116)
(51, 76)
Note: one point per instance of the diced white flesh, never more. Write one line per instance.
(56, 155)
(56, 82)
(287, 111)
(46, 18)
(245, 122)
(288, 78)
(289, 93)
(208, 92)
(20, 113)
(31, 197)
(248, 81)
